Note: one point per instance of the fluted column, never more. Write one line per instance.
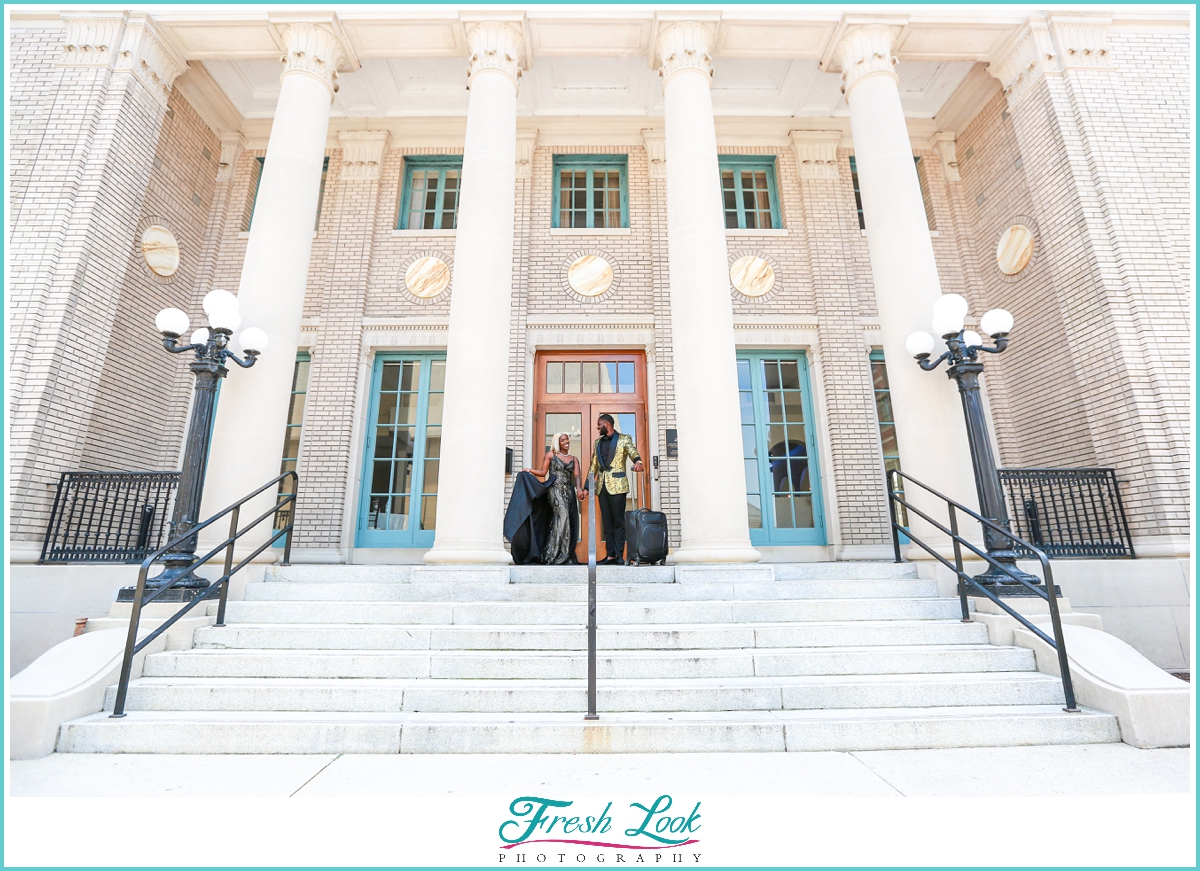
(930, 430)
(470, 512)
(252, 410)
(713, 516)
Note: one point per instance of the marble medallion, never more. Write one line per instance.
(160, 250)
(590, 275)
(427, 277)
(752, 276)
(1014, 249)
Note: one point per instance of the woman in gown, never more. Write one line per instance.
(564, 471)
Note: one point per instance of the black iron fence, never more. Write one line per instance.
(1068, 512)
(108, 517)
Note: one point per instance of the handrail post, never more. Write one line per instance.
(1061, 645)
(891, 501)
(958, 564)
(135, 616)
(233, 534)
(591, 625)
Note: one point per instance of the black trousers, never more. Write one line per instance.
(612, 514)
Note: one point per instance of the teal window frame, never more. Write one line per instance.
(414, 536)
(737, 162)
(441, 163)
(862, 224)
(284, 489)
(590, 163)
(890, 461)
(769, 534)
(262, 162)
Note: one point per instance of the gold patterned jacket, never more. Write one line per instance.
(615, 480)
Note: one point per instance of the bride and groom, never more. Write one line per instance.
(543, 517)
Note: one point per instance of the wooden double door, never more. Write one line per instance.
(571, 390)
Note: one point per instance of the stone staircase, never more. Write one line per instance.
(386, 659)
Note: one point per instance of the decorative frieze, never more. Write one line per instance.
(656, 152)
(313, 49)
(816, 152)
(495, 45)
(91, 38)
(232, 145)
(866, 51)
(1052, 44)
(684, 45)
(362, 153)
(1081, 40)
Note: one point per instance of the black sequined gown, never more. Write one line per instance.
(559, 545)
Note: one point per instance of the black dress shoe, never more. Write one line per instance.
(607, 561)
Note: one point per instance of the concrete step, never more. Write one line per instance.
(333, 636)
(354, 591)
(865, 729)
(559, 696)
(609, 664)
(613, 613)
(578, 574)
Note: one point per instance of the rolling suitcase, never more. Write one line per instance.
(645, 537)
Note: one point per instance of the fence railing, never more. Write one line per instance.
(218, 588)
(108, 517)
(1068, 512)
(894, 480)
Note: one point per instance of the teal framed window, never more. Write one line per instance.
(295, 424)
(591, 191)
(922, 180)
(887, 423)
(431, 192)
(779, 449)
(749, 192)
(398, 506)
(256, 172)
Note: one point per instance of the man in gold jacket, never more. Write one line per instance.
(609, 454)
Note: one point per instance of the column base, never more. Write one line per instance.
(722, 552)
(455, 554)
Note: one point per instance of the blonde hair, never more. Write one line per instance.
(557, 438)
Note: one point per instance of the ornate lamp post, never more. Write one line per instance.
(211, 347)
(963, 350)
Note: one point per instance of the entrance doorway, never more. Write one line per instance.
(571, 390)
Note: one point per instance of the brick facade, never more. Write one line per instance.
(1097, 374)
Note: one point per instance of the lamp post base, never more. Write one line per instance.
(187, 586)
(1000, 583)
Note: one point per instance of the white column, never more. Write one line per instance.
(470, 512)
(712, 487)
(253, 405)
(930, 431)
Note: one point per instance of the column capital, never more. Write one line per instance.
(816, 152)
(362, 153)
(232, 145)
(943, 142)
(122, 41)
(863, 50)
(1051, 44)
(316, 48)
(526, 143)
(684, 45)
(655, 144)
(496, 45)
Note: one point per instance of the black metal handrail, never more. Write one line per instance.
(1049, 593)
(221, 585)
(591, 626)
(1069, 512)
(108, 517)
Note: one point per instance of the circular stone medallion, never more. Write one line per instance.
(752, 276)
(590, 275)
(427, 277)
(160, 250)
(1014, 249)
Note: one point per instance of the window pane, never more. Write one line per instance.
(554, 377)
(794, 406)
(570, 378)
(300, 376)
(776, 441)
(743, 368)
(775, 407)
(754, 510)
(428, 512)
(402, 477)
(406, 408)
(391, 376)
(887, 435)
(883, 406)
(405, 436)
(608, 377)
(783, 512)
(380, 477)
(751, 476)
(387, 408)
(771, 374)
(296, 411)
(437, 375)
(591, 377)
(384, 441)
(430, 482)
(746, 401)
(410, 378)
(789, 375)
(433, 413)
(626, 378)
(433, 442)
(879, 375)
(749, 442)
